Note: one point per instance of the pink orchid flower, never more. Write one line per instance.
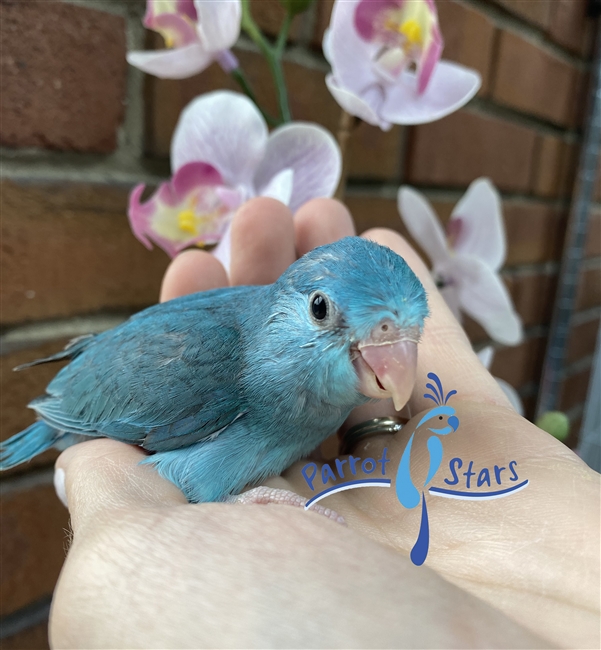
(196, 33)
(222, 155)
(486, 356)
(385, 63)
(466, 259)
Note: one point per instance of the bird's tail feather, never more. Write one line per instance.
(74, 348)
(25, 445)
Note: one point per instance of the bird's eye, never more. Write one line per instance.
(319, 306)
(440, 417)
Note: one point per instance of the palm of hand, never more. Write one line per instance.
(533, 555)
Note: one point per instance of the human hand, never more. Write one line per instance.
(127, 522)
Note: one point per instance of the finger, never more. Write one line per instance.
(262, 245)
(319, 222)
(103, 475)
(192, 271)
(444, 348)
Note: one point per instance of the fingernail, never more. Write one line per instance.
(59, 485)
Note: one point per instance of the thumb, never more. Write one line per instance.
(96, 477)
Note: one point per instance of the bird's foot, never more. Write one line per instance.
(267, 495)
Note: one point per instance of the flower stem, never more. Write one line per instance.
(273, 56)
(244, 83)
(345, 127)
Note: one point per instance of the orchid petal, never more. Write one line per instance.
(155, 8)
(481, 232)
(279, 187)
(486, 356)
(224, 129)
(326, 44)
(177, 30)
(512, 395)
(450, 87)
(139, 214)
(190, 176)
(231, 198)
(423, 224)
(354, 105)
(218, 23)
(366, 14)
(172, 64)
(483, 296)
(349, 55)
(430, 60)
(313, 155)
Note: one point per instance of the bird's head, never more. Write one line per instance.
(360, 310)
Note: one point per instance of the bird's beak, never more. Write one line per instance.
(387, 363)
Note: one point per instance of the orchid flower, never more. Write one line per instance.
(466, 259)
(385, 63)
(486, 357)
(222, 155)
(196, 33)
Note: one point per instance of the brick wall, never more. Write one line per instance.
(79, 128)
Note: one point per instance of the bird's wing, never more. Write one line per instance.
(166, 378)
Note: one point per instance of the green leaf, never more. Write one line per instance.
(294, 7)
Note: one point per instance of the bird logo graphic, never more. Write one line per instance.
(442, 421)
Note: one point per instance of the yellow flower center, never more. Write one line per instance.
(412, 31)
(409, 28)
(169, 40)
(187, 221)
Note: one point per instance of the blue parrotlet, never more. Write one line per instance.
(227, 387)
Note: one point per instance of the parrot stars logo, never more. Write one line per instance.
(440, 420)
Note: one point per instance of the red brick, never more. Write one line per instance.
(535, 232)
(537, 12)
(377, 212)
(465, 145)
(533, 296)
(33, 638)
(521, 364)
(322, 22)
(33, 546)
(374, 154)
(589, 289)
(569, 26)
(17, 389)
(593, 234)
(581, 92)
(63, 76)
(269, 15)
(68, 249)
(374, 212)
(582, 341)
(555, 166)
(574, 390)
(468, 37)
(532, 80)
